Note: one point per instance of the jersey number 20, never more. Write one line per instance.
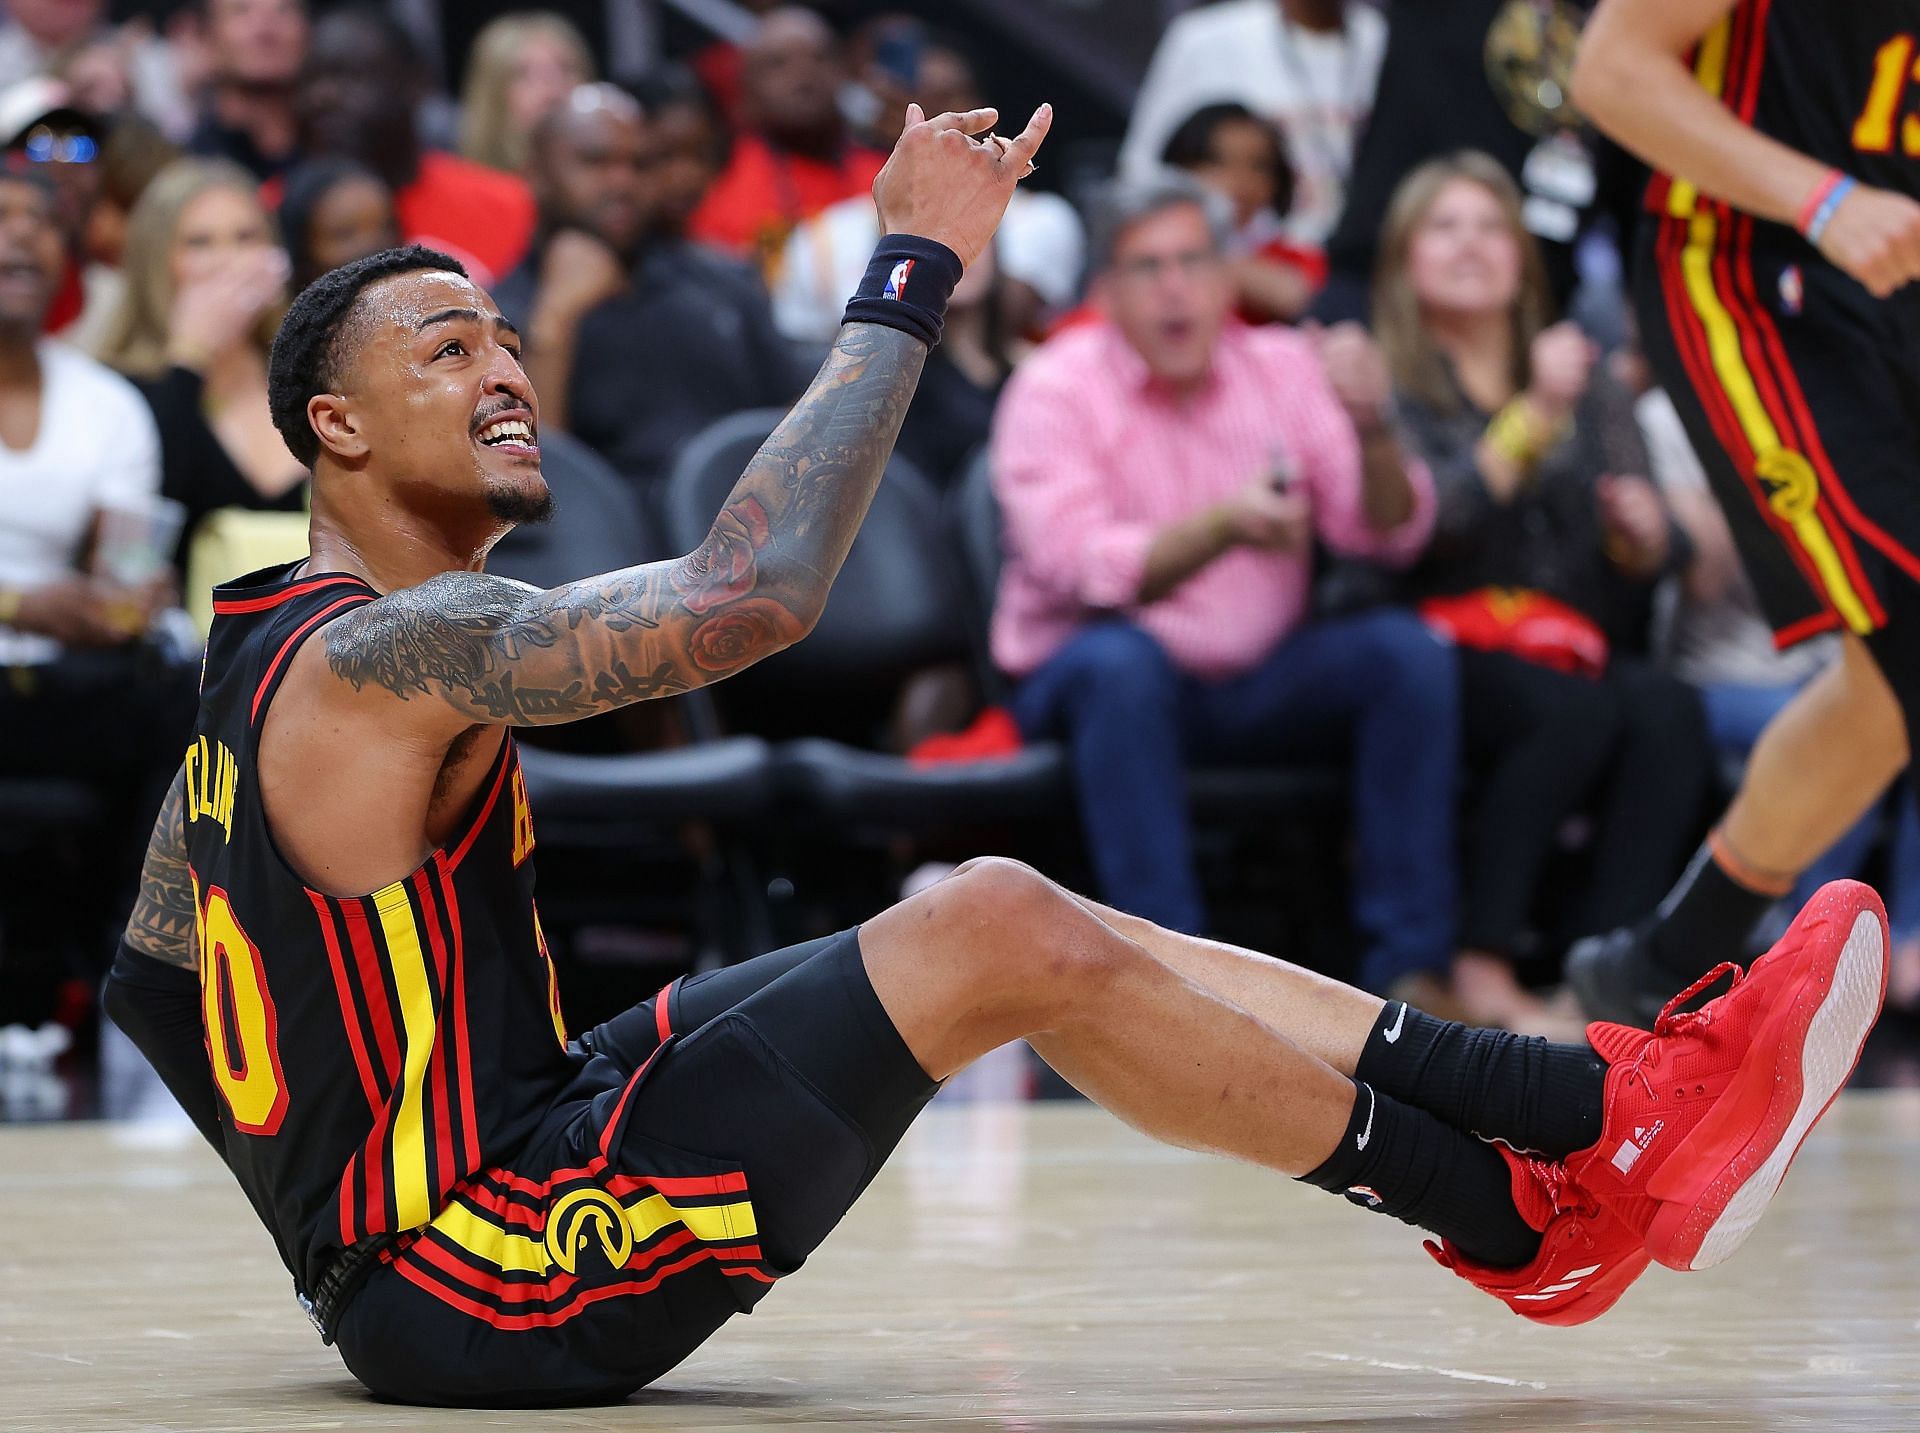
(242, 1030)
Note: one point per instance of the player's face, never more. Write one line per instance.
(441, 403)
(1167, 290)
(1464, 258)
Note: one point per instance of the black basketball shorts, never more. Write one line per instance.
(712, 1138)
(1801, 393)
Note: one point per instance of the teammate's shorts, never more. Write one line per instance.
(1801, 393)
(711, 1139)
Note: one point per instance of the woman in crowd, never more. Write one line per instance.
(1235, 152)
(206, 285)
(334, 211)
(1547, 545)
(522, 66)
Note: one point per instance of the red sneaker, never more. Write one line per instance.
(1704, 1114)
(1587, 1257)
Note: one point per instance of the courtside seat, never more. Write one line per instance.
(899, 607)
(604, 799)
(1030, 785)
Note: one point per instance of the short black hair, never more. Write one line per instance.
(306, 351)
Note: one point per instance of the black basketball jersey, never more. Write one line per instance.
(1835, 79)
(370, 1051)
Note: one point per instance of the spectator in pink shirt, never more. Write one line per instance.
(1163, 475)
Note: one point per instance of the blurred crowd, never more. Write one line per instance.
(1310, 416)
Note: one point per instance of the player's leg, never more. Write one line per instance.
(1778, 413)
(1528, 1091)
(1823, 761)
(997, 952)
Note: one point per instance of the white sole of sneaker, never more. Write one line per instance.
(1835, 1037)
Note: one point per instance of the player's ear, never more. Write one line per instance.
(336, 425)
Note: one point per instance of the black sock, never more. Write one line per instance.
(1398, 1160)
(1705, 919)
(1523, 1089)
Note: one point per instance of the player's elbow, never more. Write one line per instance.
(782, 608)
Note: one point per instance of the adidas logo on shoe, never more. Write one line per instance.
(1625, 1157)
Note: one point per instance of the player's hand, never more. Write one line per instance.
(578, 273)
(1357, 372)
(1639, 536)
(1875, 236)
(79, 611)
(221, 302)
(943, 184)
(1263, 517)
(1562, 363)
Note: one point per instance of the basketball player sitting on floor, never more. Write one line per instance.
(336, 964)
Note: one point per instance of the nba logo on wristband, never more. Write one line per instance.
(897, 280)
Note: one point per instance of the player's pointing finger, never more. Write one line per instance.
(1028, 140)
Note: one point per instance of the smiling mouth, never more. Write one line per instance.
(509, 433)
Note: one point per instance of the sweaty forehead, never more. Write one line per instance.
(393, 308)
(387, 315)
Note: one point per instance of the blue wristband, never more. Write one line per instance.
(1829, 206)
(907, 285)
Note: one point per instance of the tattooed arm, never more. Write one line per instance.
(487, 649)
(465, 647)
(162, 922)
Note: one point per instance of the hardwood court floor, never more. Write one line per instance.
(1018, 1267)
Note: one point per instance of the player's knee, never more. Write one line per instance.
(1027, 933)
(992, 893)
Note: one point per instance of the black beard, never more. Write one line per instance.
(519, 507)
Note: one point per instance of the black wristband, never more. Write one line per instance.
(907, 285)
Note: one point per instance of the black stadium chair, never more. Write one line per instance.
(899, 607)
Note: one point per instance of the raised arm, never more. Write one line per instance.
(1633, 80)
(475, 648)
(487, 649)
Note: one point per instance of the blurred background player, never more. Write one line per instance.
(1776, 262)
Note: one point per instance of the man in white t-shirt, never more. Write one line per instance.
(80, 695)
(1311, 66)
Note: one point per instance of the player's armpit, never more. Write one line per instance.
(162, 923)
(477, 648)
